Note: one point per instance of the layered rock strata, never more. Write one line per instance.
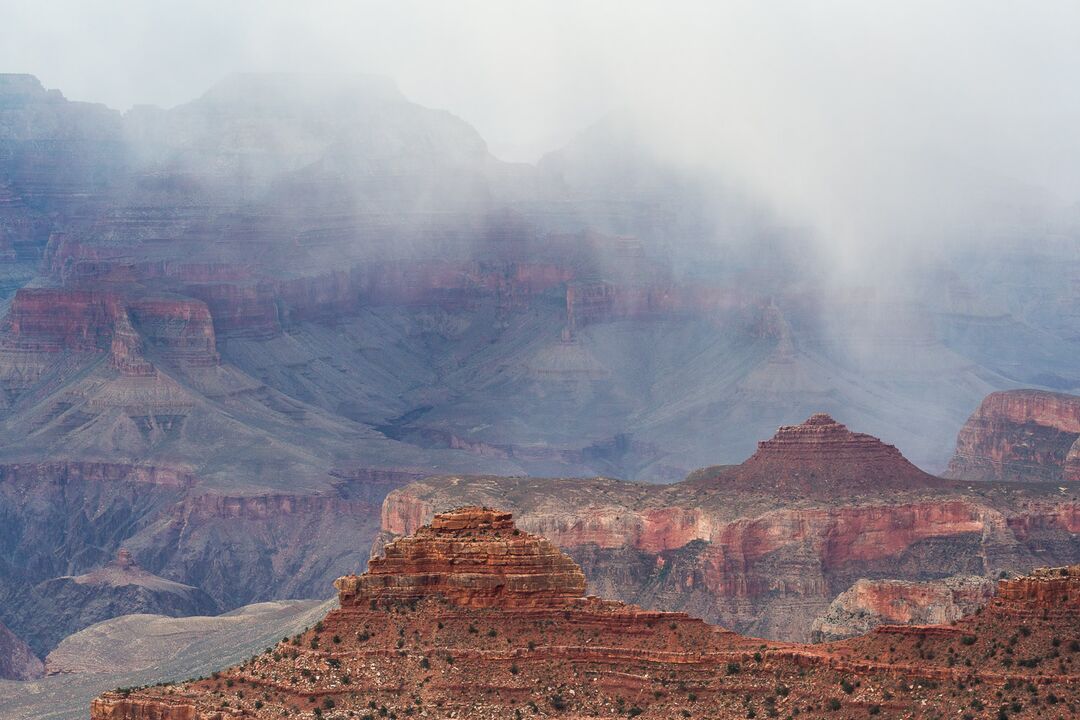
(822, 458)
(425, 653)
(1020, 435)
(475, 558)
(766, 546)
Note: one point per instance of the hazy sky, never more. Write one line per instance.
(855, 116)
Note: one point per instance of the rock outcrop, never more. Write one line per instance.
(436, 650)
(822, 458)
(17, 660)
(476, 558)
(1046, 592)
(1020, 435)
(870, 603)
(120, 587)
(766, 546)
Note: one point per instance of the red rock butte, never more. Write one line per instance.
(822, 456)
(471, 618)
(473, 556)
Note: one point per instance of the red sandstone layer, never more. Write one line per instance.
(426, 653)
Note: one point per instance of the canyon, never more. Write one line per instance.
(229, 330)
(65, 605)
(143, 649)
(764, 547)
(471, 618)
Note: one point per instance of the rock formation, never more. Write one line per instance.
(766, 546)
(475, 558)
(870, 603)
(1020, 435)
(413, 638)
(214, 341)
(822, 458)
(17, 660)
(120, 587)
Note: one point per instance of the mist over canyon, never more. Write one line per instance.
(800, 369)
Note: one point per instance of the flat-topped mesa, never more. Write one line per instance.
(473, 557)
(824, 457)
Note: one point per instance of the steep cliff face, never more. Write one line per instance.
(870, 603)
(471, 618)
(764, 547)
(1020, 435)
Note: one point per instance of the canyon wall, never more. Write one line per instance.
(1020, 435)
(870, 603)
(766, 546)
(469, 617)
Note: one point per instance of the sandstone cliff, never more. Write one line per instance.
(1020, 435)
(423, 634)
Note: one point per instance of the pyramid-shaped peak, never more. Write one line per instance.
(822, 458)
(473, 557)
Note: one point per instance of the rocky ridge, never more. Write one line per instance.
(120, 587)
(387, 653)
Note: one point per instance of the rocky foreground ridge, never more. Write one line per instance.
(764, 547)
(472, 618)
